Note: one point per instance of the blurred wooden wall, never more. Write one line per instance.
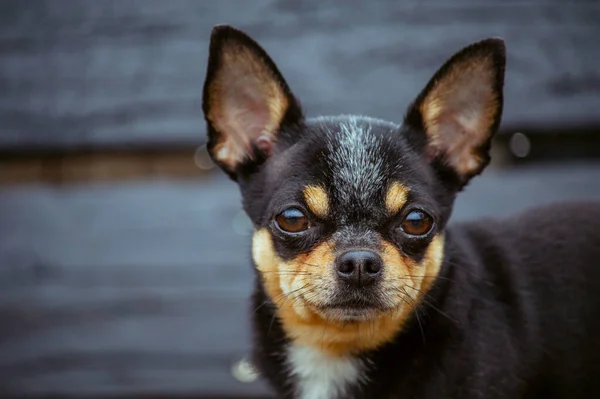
(124, 259)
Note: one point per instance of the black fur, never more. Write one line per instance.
(515, 309)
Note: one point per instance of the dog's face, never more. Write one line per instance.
(348, 211)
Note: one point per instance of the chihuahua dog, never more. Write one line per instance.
(362, 291)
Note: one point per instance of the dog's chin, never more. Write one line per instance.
(349, 314)
(352, 311)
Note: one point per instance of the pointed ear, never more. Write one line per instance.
(245, 100)
(460, 109)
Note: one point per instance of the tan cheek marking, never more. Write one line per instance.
(267, 262)
(397, 267)
(287, 282)
(432, 262)
(416, 277)
(396, 197)
(317, 200)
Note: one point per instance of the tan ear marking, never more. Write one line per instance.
(460, 108)
(459, 112)
(245, 99)
(396, 197)
(317, 200)
(246, 103)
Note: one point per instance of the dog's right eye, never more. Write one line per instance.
(292, 220)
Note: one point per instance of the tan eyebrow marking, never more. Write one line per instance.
(317, 200)
(396, 197)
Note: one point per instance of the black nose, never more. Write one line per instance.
(359, 267)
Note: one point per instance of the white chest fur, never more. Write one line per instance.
(321, 376)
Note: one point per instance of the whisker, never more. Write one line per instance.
(411, 276)
(287, 273)
(281, 302)
(416, 309)
(463, 268)
(308, 264)
(426, 302)
(286, 295)
(260, 306)
(305, 294)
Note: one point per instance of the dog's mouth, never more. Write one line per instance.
(359, 308)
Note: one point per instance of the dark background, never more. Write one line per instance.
(123, 253)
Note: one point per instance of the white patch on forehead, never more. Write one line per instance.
(356, 159)
(322, 376)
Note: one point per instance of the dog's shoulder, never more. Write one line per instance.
(544, 260)
(555, 227)
(538, 257)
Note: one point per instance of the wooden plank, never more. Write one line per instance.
(113, 289)
(123, 289)
(123, 72)
(111, 165)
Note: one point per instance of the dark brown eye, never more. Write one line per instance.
(417, 223)
(292, 220)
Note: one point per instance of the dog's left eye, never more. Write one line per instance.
(417, 223)
(292, 220)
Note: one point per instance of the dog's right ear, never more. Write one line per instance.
(245, 101)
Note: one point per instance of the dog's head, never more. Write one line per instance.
(349, 211)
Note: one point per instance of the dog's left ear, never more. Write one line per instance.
(455, 117)
(245, 101)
